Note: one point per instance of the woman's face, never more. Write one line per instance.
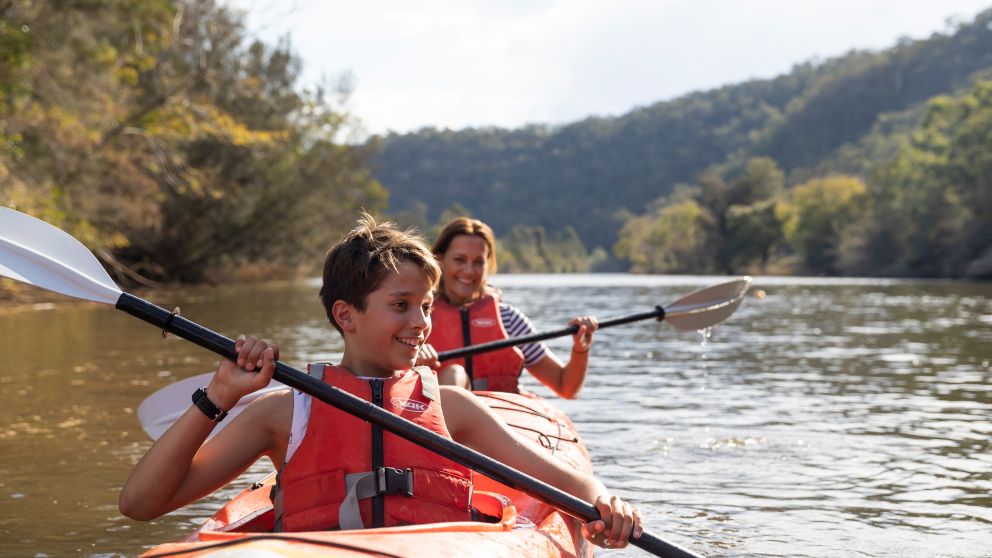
(465, 265)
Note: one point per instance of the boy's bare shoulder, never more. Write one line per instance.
(274, 410)
(462, 410)
(456, 395)
(279, 400)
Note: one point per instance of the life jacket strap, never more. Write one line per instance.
(359, 486)
(428, 382)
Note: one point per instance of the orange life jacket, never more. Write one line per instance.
(478, 322)
(349, 474)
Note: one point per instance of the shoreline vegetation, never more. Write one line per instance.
(181, 151)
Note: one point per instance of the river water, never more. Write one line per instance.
(833, 417)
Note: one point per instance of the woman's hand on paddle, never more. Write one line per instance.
(256, 364)
(427, 356)
(619, 521)
(582, 339)
(566, 379)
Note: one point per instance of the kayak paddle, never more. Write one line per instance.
(37, 253)
(695, 311)
(698, 310)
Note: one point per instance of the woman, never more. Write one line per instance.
(469, 312)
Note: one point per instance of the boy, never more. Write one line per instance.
(378, 293)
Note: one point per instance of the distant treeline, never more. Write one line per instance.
(849, 166)
(524, 248)
(169, 142)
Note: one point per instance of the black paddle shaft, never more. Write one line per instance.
(223, 346)
(658, 313)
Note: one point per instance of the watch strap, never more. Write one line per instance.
(208, 407)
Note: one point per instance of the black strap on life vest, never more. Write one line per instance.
(467, 339)
(379, 500)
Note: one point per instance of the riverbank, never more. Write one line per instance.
(15, 295)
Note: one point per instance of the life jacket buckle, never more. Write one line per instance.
(389, 480)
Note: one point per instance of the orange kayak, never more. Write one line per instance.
(526, 527)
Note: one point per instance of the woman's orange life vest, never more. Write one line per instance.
(478, 322)
(349, 474)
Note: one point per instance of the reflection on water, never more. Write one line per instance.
(832, 417)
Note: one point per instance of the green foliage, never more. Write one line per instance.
(414, 217)
(157, 133)
(753, 231)
(61, 93)
(925, 212)
(675, 238)
(727, 225)
(524, 250)
(814, 217)
(453, 212)
(580, 175)
(761, 180)
(930, 208)
(528, 249)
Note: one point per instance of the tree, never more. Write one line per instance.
(761, 180)
(929, 210)
(67, 75)
(814, 216)
(752, 232)
(529, 249)
(158, 134)
(673, 239)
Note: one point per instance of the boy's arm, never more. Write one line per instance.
(177, 470)
(472, 423)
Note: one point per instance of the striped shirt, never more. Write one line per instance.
(517, 325)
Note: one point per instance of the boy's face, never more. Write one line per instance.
(387, 335)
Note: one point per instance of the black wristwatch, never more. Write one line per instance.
(204, 403)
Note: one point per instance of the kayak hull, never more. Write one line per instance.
(526, 526)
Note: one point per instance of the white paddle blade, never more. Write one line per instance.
(707, 307)
(39, 254)
(165, 406)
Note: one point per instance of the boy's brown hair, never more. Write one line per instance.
(470, 227)
(359, 262)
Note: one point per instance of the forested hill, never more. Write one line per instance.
(840, 115)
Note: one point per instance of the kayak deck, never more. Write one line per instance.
(526, 526)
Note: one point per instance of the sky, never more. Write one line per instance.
(509, 63)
